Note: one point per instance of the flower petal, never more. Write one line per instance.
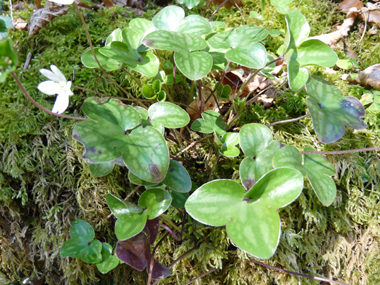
(58, 73)
(50, 75)
(63, 2)
(68, 88)
(61, 104)
(49, 87)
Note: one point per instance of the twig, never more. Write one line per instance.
(175, 81)
(200, 94)
(191, 145)
(217, 9)
(295, 273)
(343, 151)
(200, 276)
(241, 12)
(289, 121)
(34, 102)
(27, 61)
(104, 95)
(129, 196)
(170, 231)
(183, 256)
(96, 59)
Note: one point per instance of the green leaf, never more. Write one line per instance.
(212, 121)
(5, 25)
(107, 63)
(101, 169)
(275, 33)
(195, 65)
(135, 180)
(229, 141)
(141, 26)
(82, 243)
(128, 226)
(169, 80)
(110, 260)
(148, 92)
(256, 15)
(144, 150)
(156, 201)
(189, 3)
(344, 63)
(131, 39)
(298, 30)
(161, 96)
(373, 99)
(177, 178)
(168, 114)
(195, 25)
(254, 138)
(8, 59)
(315, 52)
(248, 54)
(169, 18)
(297, 75)
(331, 112)
(115, 36)
(179, 199)
(315, 167)
(156, 86)
(219, 60)
(120, 207)
(251, 219)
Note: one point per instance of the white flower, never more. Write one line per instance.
(56, 85)
(63, 2)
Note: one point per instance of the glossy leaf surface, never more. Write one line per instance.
(115, 36)
(229, 142)
(107, 63)
(189, 3)
(212, 121)
(249, 54)
(331, 112)
(169, 18)
(315, 167)
(144, 150)
(251, 219)
(109, 261)
(177, 178)
(195, 25)
(156, 201)
(195, 65)
(168, 114)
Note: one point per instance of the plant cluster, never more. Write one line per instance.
(271, 175)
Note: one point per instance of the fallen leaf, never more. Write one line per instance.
(372, 13)
(108, 3)
(81, 4)
(228, 4)
(373, 31)
(193, 108)
(370, 77)
(42, 17)
(20, 24)
(346, 5)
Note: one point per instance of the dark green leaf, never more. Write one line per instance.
(109, 261)
(177, 178)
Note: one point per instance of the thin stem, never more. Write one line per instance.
(183, 256)
(289, 121)
(365, 28)
(343, 151)
(170, 231)
(200, 94)
(168, 221)
(216, 87)
(217, 9)
(175, 82)
(34, 102)
(152, 259)
(134, 78)
(96, 59)
(200, 276)
(104, 95)
(295, 273)
(191, 145)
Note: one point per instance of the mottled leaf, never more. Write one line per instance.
(212, 121)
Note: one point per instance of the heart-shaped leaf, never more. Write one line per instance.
(169, 18)
(110, 260)
(195, 25)
(101, 169)
(229, 142)
(251, 219)
(105, 138)
(249, 54)
(82, 243)
(189, 3)
(142, 27)
(315, 167)
(298, 30)
(257, 143)
(107, 63)
(212, 121)
(331, 112)
(115, 36)
(156, 201)
(8, 59)
(177, 178)
(168, 114)
(136, 251)
(195, 65)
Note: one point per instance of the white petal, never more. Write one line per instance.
(68, 88)
(49, 87)
(63, 2)
(58, 73)
(49, 74)
(61, 104)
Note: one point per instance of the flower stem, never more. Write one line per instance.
(289, 121)
(34, 102)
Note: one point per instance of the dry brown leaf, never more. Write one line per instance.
(108, 3)
(193, 108)
(372, 13)
(373, 31)
(370, 77)
(228, 4)
(346, 5)
(20, 24)
(332, 38)
(42, 17)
